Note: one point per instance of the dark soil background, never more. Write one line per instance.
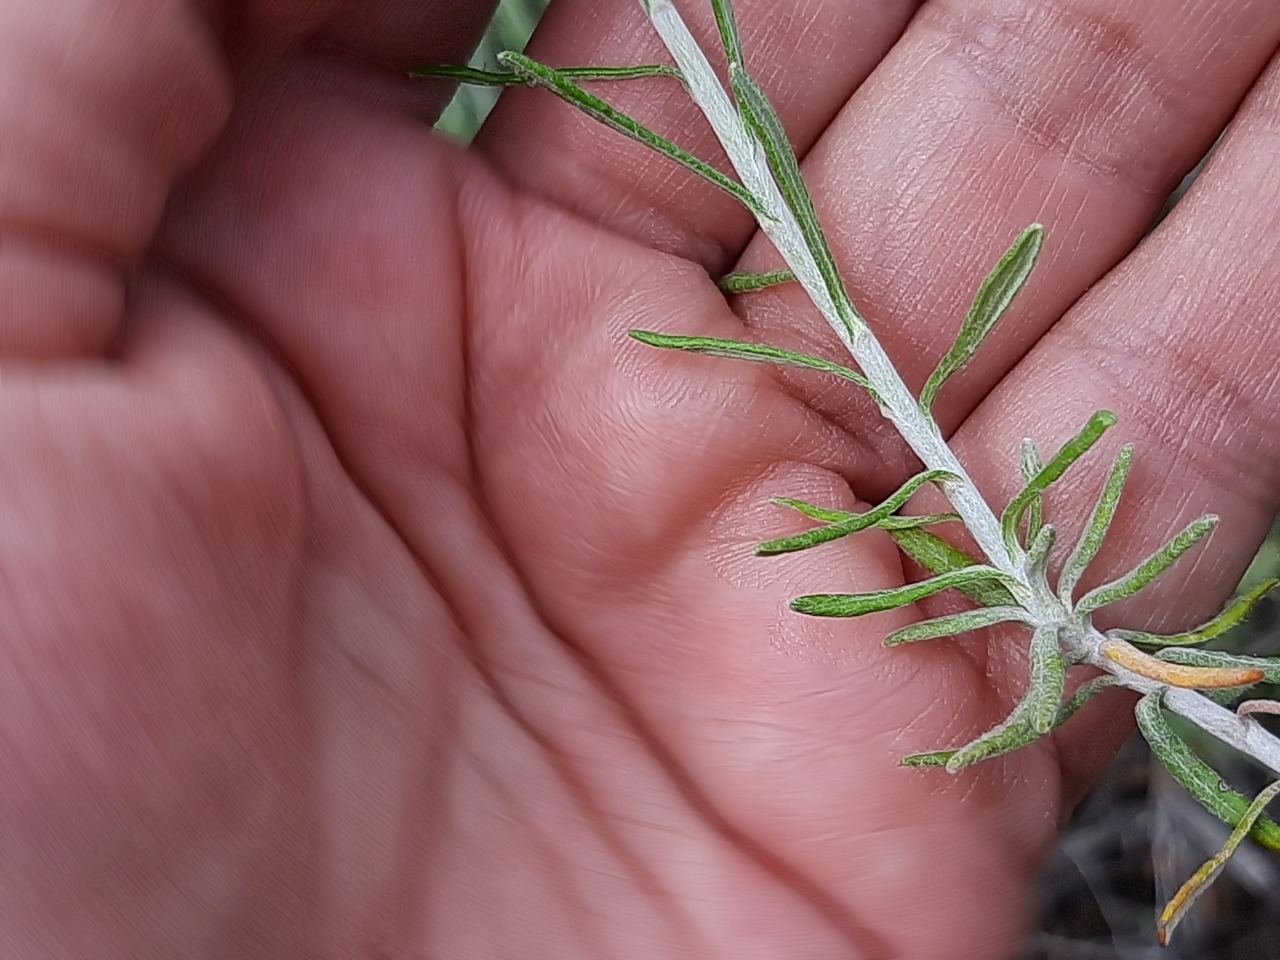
(1139, 835)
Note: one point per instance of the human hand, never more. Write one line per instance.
(368, 593)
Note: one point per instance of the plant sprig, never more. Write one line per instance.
(1013, 581)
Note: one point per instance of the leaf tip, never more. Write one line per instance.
(937, 758)
(801, 604)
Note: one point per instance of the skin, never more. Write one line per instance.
(366, 593)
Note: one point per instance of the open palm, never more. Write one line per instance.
(365, 592)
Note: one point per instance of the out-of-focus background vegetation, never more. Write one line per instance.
(512, 24)
(1138, 835)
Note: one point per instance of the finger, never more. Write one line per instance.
(1180, 342)
(395, 34)
(101, 107)
(708, 652)
(150, 735)
(337, 242)
(399, 34)
(809, 57)
(987, 117)
(629, 487)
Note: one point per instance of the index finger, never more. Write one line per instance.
(812, 55)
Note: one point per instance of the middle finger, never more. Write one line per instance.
(989, 115)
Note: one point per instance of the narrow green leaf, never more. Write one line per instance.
(1071, 451)
(856, 522)
(817, 513)
(910, 522)
(727, 22)
(751, 352)
(938, 556)
(1031, 465)
(1182, 901)
(1048, 680)
(1104, 511)
(810, 538)
(1013, 734)
(938, 758)
(762, 120)
(1149, 569)
(1017, 731)
(1191, 657)
(993, 300)
(1231, 616)
(1200, 779)
(741, 282)
(556, 82)
(1086, 692)
(955, 623)
(858, 604)
(504, 78)
(894, 522)
(1035, 714)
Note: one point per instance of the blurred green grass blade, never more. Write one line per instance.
(512, 24)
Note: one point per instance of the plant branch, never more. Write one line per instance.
(749, 157)
(898, 403)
